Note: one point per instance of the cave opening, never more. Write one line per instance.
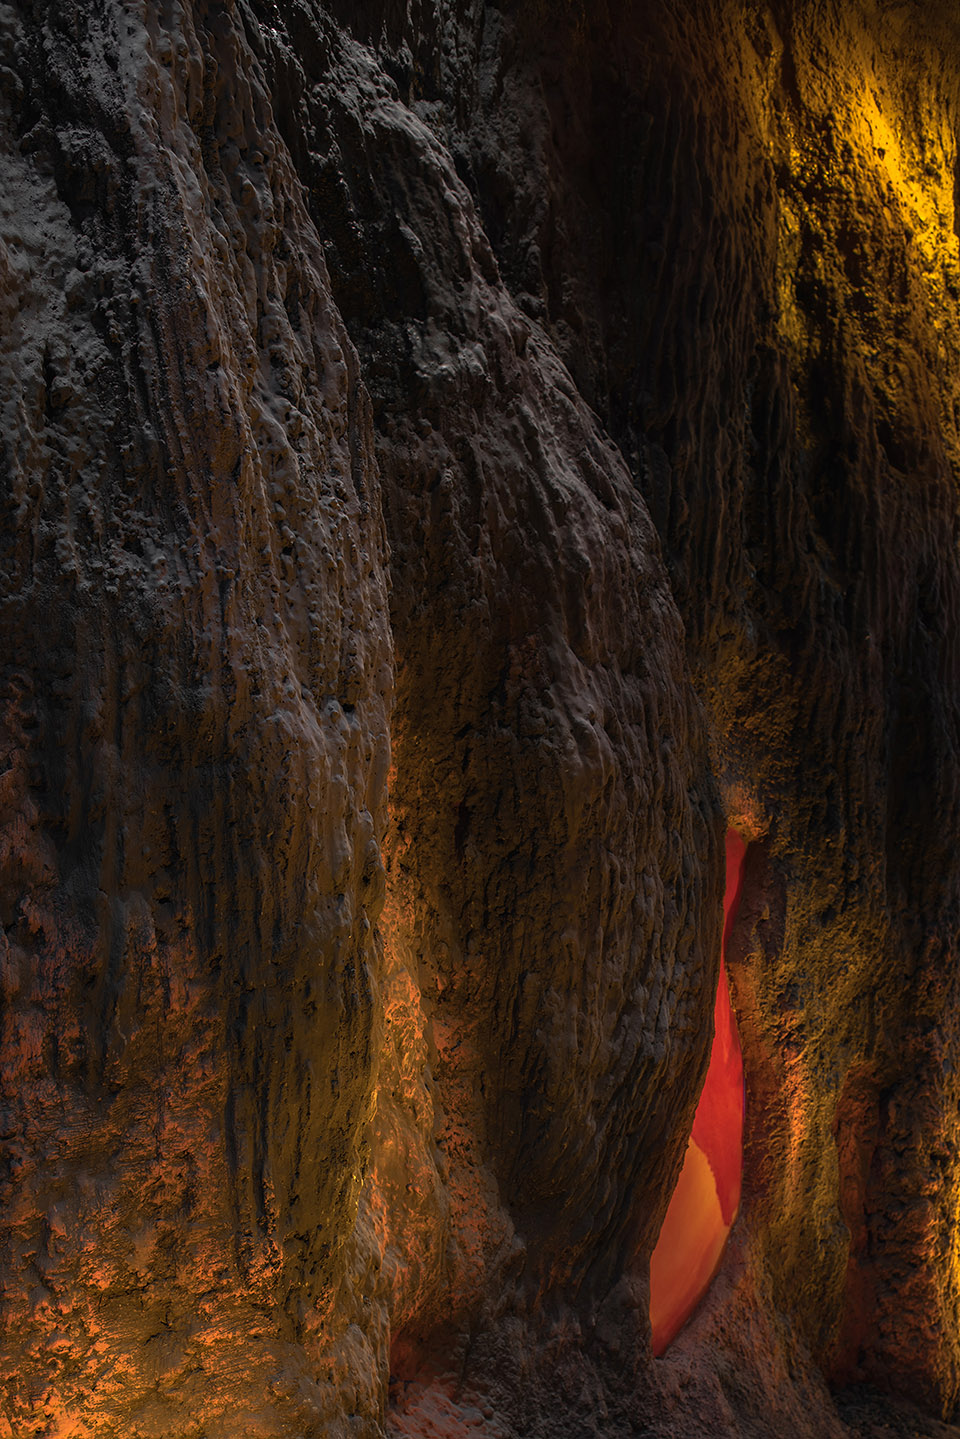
(705, 1202)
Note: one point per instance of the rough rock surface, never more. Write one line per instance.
(557, 405)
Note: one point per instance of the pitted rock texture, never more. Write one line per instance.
(197, 671)
(556, 404)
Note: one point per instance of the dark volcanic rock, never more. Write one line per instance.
(560, 404)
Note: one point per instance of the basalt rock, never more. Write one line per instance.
(456, 461)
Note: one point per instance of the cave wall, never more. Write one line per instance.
(557, 406)
(197, 671)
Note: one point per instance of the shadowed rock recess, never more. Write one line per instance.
(456, 461)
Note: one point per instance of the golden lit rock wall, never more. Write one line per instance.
(591, 369)
(739, 224)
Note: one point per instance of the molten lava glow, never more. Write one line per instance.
(707, 1196)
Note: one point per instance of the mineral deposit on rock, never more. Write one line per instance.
(457, 459)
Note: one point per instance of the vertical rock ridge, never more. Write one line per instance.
(197, 613)
(588, 373)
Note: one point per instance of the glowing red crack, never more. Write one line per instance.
(705, 1201)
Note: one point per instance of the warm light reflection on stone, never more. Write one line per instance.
(705, 1201)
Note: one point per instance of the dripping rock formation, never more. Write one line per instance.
(456, 460)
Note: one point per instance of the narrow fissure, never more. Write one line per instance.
(707, 1197)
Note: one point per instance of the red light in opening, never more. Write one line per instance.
(707, 1197)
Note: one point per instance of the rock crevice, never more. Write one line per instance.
(454, 462)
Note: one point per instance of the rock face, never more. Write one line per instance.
(556, 407)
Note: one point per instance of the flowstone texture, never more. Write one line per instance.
(455, 462)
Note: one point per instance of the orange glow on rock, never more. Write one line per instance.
(707, 1197)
